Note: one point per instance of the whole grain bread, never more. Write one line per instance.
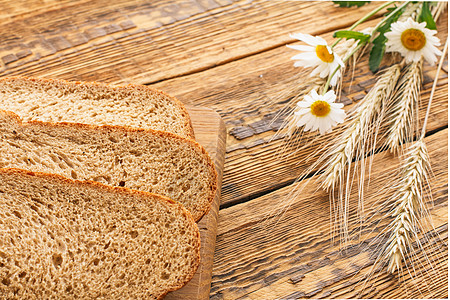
(94, 103)
(67, 239)
(146, 160)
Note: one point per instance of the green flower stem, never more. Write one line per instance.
(389, 16)
(363, 19)
(361, 44)
(327, 84)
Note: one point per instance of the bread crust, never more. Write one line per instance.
(123, 191)
(125, 130)
(128, 87)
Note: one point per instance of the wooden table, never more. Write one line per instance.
(230, 56)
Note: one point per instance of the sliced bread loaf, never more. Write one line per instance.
(66, 239)
(94, 103)
(146, 160)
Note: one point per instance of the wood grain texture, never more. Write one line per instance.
(141, 42)
(294, 257)
(210, 132)
(11, 10)
(230, 55)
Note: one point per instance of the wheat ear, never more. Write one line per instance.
(409, 203)
(358, 137)
(362, 122)
(403, 109)
(410, 192)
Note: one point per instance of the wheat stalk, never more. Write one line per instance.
(335, 163)
(403, 109)
(438, 9)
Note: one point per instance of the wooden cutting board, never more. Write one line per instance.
(210, 132)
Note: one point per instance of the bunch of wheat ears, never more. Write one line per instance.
(386, 118)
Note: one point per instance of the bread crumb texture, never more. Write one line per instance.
(94, 103)
(144, 160)
(62, 239)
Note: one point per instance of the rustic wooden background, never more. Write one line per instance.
(230, 55)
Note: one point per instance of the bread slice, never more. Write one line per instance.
(94, 103)
(62, 238)
(146, 160)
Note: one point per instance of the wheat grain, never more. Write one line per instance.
(410, 239)
(409, 204)
(403, 109)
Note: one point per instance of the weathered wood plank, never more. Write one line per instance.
(11, 10)
(142, 42)
(295, 257)
(247, 101)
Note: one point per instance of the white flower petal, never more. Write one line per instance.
(306, 57)
(324, 126)
(315, 124)
(329, 96)
(430, 57)
(309, 126)
(338, 60)
(325, 71)
(321, 41)
(303, 120)
(336, 105)
(314, 95)
(301, 48)
(337, 117)
(307, 38)
(302, 111)
(316, 71)
(307, 99)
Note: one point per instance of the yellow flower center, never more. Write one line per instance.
(320, 108)
(323, 54)
(413, 39)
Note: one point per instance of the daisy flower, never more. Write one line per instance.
(413, 41)
(318, 54)
(319, 112)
